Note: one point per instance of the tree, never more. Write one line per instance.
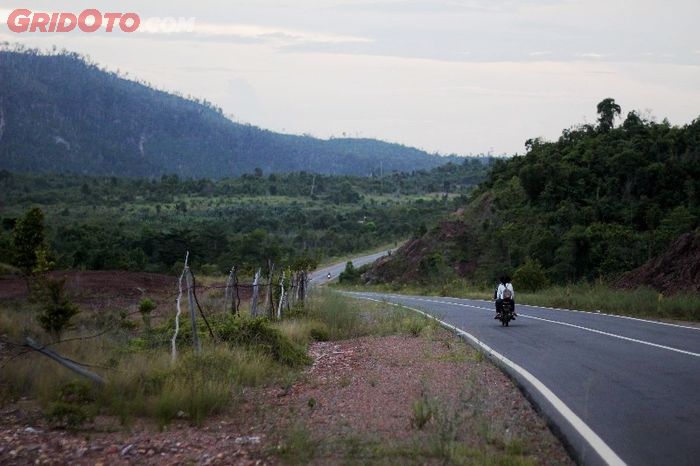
(27, 239)
(607, 111)
(349, 275)
(57, 310)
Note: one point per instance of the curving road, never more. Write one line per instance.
(320, 276)
(620, 390)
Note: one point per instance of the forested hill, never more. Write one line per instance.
(61, 114)
(599, 201)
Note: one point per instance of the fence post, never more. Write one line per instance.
(279, 305)
(235, 298)
(229, 281)
(173, 347)
(270, 302)
(254, 298)
(193, 315)
(301, 284)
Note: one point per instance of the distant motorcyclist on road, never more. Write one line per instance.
(329, 275)
(504, 290)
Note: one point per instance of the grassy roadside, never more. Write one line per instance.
(642, 302)
(142, 381)
(247, 361)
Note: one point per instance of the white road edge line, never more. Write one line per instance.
(603, 450)
(601, 332)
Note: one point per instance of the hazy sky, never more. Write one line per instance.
(462, 76)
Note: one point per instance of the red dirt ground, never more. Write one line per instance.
(676, 270)
(86, 286)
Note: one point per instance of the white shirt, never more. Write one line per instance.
(502, 288)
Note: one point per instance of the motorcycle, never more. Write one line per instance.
(507, 311)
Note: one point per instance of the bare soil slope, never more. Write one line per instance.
(676, 270)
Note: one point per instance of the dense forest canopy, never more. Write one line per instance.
(148, 224)
(598, 201)
(60, 113)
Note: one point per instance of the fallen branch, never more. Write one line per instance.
(72, 365)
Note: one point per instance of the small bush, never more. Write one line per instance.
(319, 331)
(303, 332)
(530, 276)
(258, 333)
(68, 415)
(73, 405)
(146, 306)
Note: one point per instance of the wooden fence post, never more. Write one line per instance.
(270, 302)
(254, 298)
(173, 347)
(279, 305)
(235, 297)
(227, 292)
(193, 315)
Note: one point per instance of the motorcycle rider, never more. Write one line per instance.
(504, 285)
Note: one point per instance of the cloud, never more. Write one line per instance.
(540, 53)
(269, 34)
(591, 55)
(279, 36)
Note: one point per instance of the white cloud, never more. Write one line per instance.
(590, 55)
(274, 35)
(540, 53)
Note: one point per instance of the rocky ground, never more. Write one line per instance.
(354, 404)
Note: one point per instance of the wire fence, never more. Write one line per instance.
(272, 298)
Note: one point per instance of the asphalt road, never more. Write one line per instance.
(320, 276)
(620, 390)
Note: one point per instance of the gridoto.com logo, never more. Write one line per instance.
(90, 20)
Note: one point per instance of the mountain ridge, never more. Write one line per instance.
(62, 114)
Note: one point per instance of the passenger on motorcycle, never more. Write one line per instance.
(505, 287)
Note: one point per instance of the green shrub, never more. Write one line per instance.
(258, 333)
(146, 306)
(530, 276)
(72, 406)
(68, 415)
(319, 331)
